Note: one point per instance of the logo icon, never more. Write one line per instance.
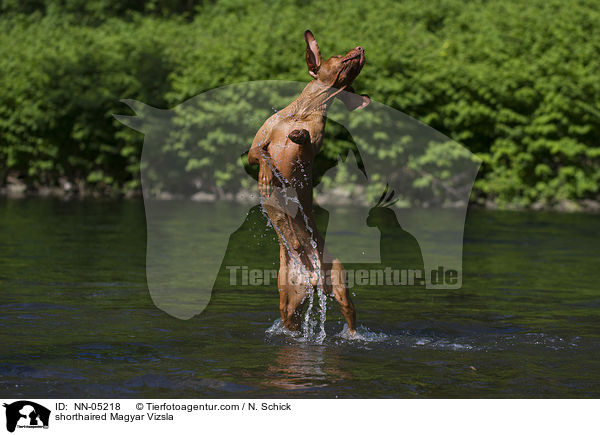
(26, 414)
(427, 175)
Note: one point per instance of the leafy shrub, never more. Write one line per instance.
(516, 83)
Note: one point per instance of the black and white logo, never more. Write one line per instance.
(26, 414)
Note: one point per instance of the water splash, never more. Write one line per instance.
(362, 334)
(277, 328)
(313, 327)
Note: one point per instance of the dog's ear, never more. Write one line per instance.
(353, 101)
(313, 54)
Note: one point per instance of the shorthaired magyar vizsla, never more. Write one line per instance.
(285, 148)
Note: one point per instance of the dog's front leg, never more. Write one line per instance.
(265, 179)
(259, 154)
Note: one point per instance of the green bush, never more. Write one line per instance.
(516, 83)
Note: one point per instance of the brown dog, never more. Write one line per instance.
(285, 148)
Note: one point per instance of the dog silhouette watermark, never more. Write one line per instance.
(26, 414)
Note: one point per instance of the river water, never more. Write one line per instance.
(77, 319)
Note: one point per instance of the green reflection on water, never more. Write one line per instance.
(77, 319)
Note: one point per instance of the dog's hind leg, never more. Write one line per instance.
(292, 302)
(341, 293)
(292, 291)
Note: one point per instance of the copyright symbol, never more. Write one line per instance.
(139, 406)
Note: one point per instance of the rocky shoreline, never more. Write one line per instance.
(336, 196)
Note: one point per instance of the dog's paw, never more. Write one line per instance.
(265, 189)
(300, 136)
(265, 182)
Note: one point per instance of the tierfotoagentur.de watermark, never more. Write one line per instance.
(243, 276)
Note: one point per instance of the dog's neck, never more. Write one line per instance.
(315, 99)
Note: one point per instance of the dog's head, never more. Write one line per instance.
(338, 71)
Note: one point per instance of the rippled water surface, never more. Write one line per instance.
(77, 320)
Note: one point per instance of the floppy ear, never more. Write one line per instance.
(353, 101)
(313, 54)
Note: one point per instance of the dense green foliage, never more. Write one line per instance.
(517, 83)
